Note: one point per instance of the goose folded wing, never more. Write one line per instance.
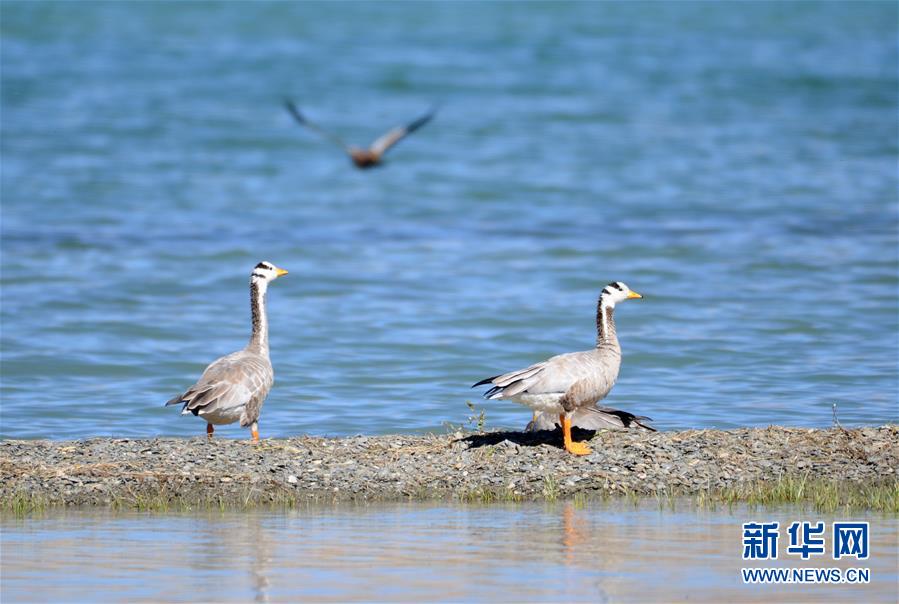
(227, 383)
(512, 383)
(221, 397)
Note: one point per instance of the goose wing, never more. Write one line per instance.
(509, 384)
(391, 138)
(231, 381)
(301, 119)
(554, 375)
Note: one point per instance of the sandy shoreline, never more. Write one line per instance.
(493, 466)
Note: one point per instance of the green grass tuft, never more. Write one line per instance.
(21, 504)
(824, 495)
(550, 488)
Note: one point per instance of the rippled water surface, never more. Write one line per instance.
(419, 553)
(734, 163)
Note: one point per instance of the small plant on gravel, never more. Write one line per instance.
(479, 495)
(664, 497)
(478, 418)
(509, 495)
(450, 427)
(550, 488)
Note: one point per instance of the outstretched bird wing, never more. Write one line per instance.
(301, 119)
(385, 142)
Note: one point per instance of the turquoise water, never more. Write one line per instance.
(734, 163)
(414, 553)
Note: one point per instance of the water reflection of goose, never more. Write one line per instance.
(373, 155)
(260, 558)
(568, 383)
(574, 532)
(234, 387)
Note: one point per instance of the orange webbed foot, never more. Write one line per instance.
(578, 448)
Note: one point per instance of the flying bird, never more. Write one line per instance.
(569, 384)
(374, 154)
(234, 387)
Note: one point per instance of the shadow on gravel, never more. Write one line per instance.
(525, 439)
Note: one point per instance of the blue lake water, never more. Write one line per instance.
(734, 163)
(415, 553)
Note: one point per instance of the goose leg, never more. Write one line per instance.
(571, 446)
(254, 430)
(532, 425)
(209, 430)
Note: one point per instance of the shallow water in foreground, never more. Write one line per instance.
(526, 552)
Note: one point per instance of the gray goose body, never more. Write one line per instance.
(234, 387)
(569, 385)
(594, 417)
(231, 389)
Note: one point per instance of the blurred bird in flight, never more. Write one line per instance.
(374, 154)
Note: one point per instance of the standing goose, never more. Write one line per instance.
(234, 387)
(363, 158)
(571, 382)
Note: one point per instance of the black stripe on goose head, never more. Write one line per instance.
(263, 270)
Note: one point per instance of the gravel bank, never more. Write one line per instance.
(467, 467)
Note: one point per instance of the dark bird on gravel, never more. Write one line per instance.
(374, 154)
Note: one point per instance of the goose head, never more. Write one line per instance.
(616, 292)
(265, 272)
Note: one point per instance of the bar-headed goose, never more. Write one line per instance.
(234, 387)
(568, 383)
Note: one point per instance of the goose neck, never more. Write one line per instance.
(259, 337)
(605, 325)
